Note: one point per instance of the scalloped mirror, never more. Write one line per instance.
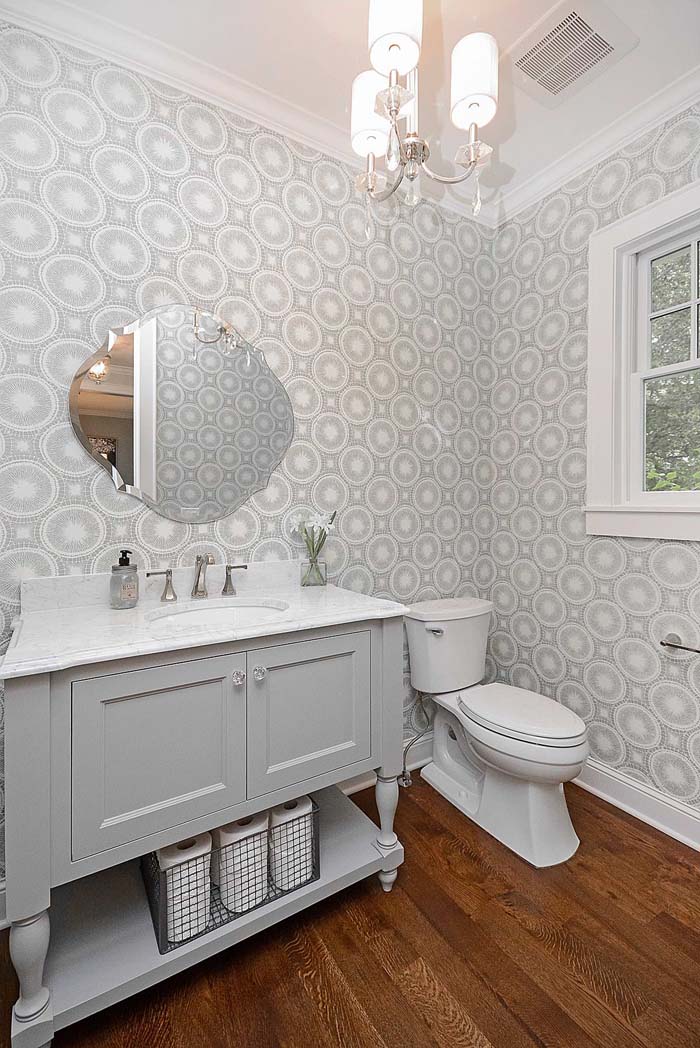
(182, 413)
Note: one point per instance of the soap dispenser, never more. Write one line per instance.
(124, 584)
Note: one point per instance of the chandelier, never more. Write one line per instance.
(384, 117)
(100, 370)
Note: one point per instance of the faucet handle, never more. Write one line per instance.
(229, 589)
(169, 596)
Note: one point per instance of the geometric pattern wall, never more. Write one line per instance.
(117, 195)
(580, 618)
(437, 375)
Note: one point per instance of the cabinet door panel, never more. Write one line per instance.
(153, 748)
(310, 711)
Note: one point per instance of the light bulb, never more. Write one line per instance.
(474, 98)
(395, 34)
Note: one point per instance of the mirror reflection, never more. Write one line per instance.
(182, 413)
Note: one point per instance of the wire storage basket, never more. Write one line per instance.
(199, 894)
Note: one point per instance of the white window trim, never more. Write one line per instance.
(613, 506)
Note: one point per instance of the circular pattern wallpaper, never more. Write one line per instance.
(437, 375)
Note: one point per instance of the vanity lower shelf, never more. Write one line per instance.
(102, 944)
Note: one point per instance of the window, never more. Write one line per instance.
(668, 377)
(644, 373)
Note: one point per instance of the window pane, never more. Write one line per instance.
(670, 338)
(672, 424)
(670, 280)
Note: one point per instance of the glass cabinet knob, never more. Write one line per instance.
(238, 677)
(259, 672)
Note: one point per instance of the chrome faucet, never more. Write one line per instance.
(199, 588)
(169, 595)
(229, 589)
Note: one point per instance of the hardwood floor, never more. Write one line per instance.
(472, 949)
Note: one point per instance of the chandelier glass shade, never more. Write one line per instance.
(369, 131)
(474, 97)
(395, 33)
(384, 116)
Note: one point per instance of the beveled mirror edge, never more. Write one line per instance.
(113, 473)
(113, 334)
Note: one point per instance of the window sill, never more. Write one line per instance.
(644, 522)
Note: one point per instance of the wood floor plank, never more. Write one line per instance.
(534, 1008)
(564, 974)
(328, 991)
(489, 1009)
(378, 986)
(472, 949)
(452, 1025)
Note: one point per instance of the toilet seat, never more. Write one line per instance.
(530, 751)
(516, 713)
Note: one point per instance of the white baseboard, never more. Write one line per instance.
(664, 813)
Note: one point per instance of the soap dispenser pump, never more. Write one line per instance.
(124, 584)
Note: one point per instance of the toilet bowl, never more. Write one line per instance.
(500, 754)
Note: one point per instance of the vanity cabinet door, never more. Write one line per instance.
(153, 748)
(308, 710)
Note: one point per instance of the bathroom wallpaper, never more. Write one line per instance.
(223, 422)
(437, 375)
(580, 618)
(117, 195)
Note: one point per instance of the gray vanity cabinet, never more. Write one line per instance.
(109, 760)
(308, 709)
(154, 748)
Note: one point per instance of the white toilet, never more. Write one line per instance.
(500, 754)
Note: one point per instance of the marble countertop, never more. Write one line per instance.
(66, 621)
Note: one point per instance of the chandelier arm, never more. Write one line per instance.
(450, 180)
(390, 190)
(403, 156)
(208, 341)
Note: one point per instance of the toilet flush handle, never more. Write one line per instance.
(437, 631)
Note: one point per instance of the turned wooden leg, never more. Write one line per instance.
(29, 944)
(387, 798)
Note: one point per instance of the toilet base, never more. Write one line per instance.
(530, 818)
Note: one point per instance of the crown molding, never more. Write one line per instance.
(140, 53)
(148, 56)
(666, 103)
(152, 58)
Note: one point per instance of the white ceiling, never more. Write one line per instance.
(291, 64)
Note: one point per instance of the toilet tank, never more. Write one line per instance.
(447, 643)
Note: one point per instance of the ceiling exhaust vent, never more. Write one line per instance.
(571, 45)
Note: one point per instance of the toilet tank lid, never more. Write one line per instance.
(448, 608)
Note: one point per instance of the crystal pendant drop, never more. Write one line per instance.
(412, 197)
(476, 199)
(369, 226)
(393, 151)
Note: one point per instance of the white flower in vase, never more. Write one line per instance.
(314, 531)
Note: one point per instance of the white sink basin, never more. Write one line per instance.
(230, 613)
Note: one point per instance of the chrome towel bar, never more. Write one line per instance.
(672, 640)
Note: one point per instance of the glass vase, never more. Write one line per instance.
(313, 572)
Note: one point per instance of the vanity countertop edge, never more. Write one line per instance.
(48, 641)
